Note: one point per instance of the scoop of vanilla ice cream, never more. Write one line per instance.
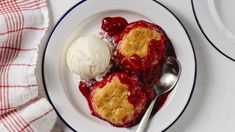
(89, 57)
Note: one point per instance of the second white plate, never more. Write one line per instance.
(216, 20)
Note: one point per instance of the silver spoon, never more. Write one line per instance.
(169, 77)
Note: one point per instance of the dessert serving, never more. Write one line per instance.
(119, 99)
(119, 67)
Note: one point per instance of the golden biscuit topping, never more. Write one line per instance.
(111, 102)
(137, 40)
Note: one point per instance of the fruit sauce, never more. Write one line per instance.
(143, 68)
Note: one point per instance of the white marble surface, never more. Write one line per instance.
(212, 107)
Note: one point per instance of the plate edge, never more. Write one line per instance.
(195, 61)
(43, 58)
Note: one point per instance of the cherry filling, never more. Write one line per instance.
(113, 25)
(139, 71)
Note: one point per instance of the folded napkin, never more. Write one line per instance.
(22, 25)
(37, 117)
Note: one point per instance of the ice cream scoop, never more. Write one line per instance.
(89, 57)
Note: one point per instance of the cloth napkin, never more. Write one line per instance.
(22, 25)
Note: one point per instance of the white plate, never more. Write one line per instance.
(216, 20)
(85, 18)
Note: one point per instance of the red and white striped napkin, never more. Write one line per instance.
(22, 25)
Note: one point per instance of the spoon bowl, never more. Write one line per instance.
(169, 76)
(168, 79)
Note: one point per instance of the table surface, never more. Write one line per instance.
(212, 106)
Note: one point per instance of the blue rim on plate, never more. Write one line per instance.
(203, 32)
(43, 57)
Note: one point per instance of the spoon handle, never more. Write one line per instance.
(145, 118)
